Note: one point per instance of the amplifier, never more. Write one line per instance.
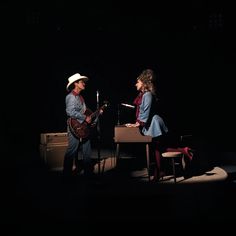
(52, 155)
(53, 138)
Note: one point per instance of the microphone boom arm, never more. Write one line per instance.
(128, 105)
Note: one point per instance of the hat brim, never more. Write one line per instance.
(84, 78)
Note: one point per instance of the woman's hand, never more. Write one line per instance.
(132, 125)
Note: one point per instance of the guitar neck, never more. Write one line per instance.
(97, 112)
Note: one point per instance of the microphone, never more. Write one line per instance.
(128, 105)
(97, 99)
(97, 96)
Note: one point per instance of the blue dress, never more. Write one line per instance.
(151, 123)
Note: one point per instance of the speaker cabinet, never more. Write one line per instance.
(53, 138)
(53, 155)
(52, 149)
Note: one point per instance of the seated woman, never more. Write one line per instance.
(150, 122)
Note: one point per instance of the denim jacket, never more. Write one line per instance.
(151, 123)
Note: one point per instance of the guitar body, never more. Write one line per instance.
(82, 130)
(79, 130)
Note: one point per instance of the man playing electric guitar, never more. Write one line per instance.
(76, 110)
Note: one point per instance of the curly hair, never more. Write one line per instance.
(148, 78)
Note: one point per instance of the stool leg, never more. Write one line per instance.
(173, 166)
(117, 153)
(148, 161)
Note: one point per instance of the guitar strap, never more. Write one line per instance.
(82, 99)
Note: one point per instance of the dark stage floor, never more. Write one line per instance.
(116, 197)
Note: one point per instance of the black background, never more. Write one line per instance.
(190, 45)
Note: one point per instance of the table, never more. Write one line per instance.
(123, 134)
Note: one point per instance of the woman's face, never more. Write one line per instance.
(139, 85)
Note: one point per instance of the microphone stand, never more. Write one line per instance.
(98, 136)
(118, 114)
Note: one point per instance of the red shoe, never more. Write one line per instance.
(162, 174)
(157, 176)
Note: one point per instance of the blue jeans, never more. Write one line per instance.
(75, 147)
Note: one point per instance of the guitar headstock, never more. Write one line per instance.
(105, 104)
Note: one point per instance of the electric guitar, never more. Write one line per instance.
(82, 130)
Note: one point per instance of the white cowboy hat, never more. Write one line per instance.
(74, 78)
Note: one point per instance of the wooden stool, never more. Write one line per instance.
(172, 156)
